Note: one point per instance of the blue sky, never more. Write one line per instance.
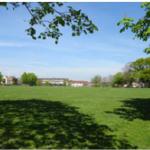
(104, 52)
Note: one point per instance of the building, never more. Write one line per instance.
(54, 81)
(75, 83)
(138, 85)
(9, 80)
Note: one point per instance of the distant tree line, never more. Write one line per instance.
(136, 72)
(99, 81)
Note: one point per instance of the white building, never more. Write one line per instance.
(74, 83)
(9, 80)
(137, 85)
(54, 81)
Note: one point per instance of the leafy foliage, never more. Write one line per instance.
(118, 79)
(141, 70)
(138, 71)
(48, 16)
(29, 78)
(141, 27)
(24, 78)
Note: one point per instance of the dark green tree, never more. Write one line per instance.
(51, 17)
(140, 27)
(96, 81)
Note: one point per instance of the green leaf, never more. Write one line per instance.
(147, 50)
(3, 4)
(73, 34)
(60, 20)
(73, 27)
(42, 12)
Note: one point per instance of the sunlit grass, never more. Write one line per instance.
(126, 112)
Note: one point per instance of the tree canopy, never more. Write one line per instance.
(141, 70)
(118, 79)
(51, 16)
(140, 27)
(138, 71)
(29, 78)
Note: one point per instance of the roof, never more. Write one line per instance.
(10, 77)
(52, 78)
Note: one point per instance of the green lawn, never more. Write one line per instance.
(63, 117)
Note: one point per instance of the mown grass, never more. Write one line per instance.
(64, 117)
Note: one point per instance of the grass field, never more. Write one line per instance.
(63, 117)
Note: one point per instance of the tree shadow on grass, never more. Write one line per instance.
(138, 108)
(46, 124)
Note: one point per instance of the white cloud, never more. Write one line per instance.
(21, 44)
(12, 44)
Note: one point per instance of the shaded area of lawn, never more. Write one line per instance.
(46, 124)
(138, 108)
